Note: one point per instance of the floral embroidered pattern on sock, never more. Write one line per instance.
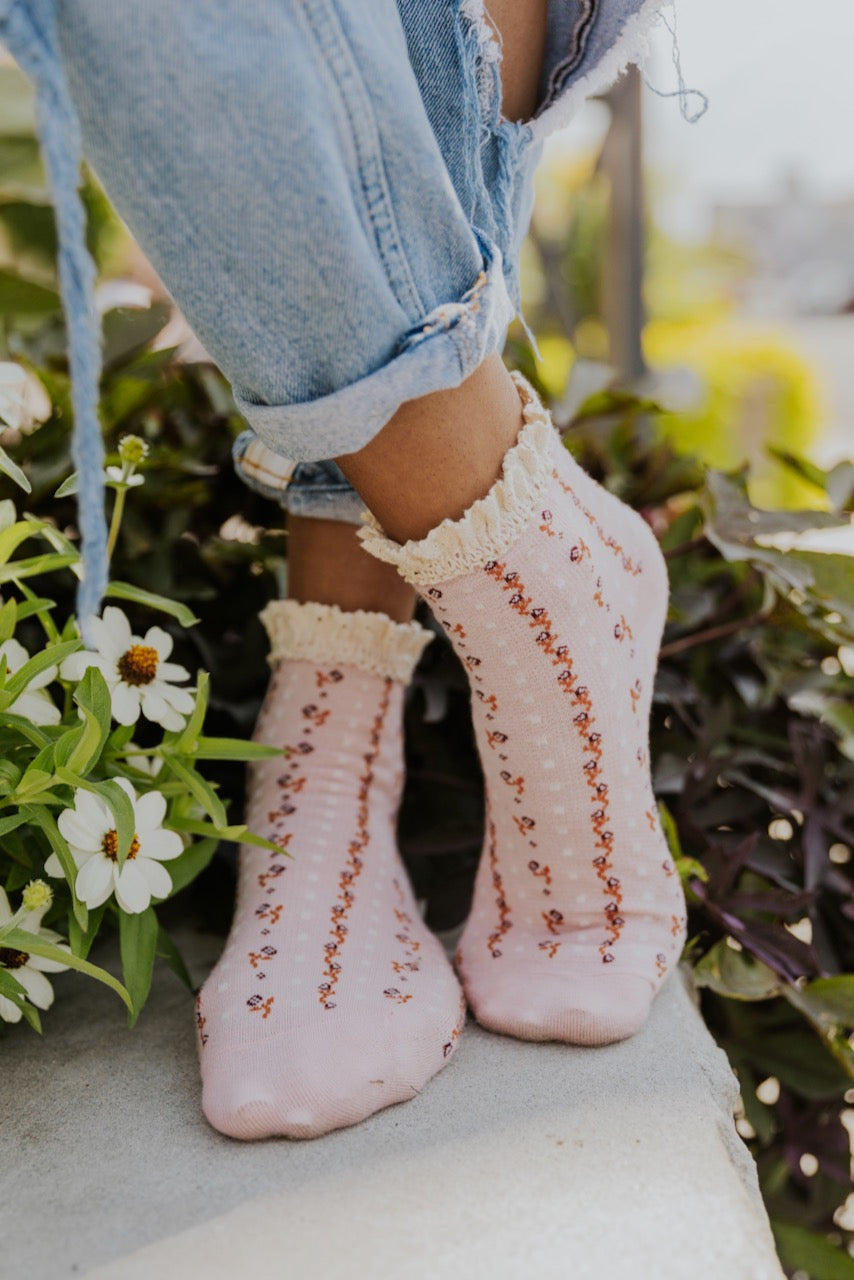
(353, 867)
(584, 723)
(409, 964)
(606, 539)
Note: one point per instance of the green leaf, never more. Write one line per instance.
(187, 741)
(827, 1002)
(93, 698)
(8, 620)
(200, 789)
(235, 834)
(80, 940)
(35, 566)
(14, 472)
(30, 942)
(68, 486)
(191, 863)
(33, 783)
(22, 297)
(12, 822)
(804, 1250)
(234, 749)
(168, 951)
(119, 738)
(124, 591)
(138, 944)
(50, 656)
(12, 990)
(12, 535)
(735, 974)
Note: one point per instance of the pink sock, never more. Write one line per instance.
(331, 999)
(554, 595)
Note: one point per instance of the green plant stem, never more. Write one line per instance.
(116, 521)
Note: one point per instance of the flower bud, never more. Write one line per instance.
(37, 895)
(132, 449)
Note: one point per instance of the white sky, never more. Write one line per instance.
(779, 75)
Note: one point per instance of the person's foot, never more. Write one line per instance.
(331, 999)
(554, 595)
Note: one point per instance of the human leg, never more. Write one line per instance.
(446, 343)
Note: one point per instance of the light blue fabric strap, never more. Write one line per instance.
(29, 30)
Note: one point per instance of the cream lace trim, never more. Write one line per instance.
(323, 633)
(492, 524)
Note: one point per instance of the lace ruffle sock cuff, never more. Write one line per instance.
(323, 633)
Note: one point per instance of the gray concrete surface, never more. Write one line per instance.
(517, 1160)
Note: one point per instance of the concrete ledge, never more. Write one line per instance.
(517, 1160)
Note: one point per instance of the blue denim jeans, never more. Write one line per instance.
(327, 188)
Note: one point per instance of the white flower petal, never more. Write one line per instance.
(132, 892)
(168, 671)
(181, 699)
(14, 653)
(37, 707)
(53, 867)
(76, 665)
(150, 811)
(43, 965)
(95, 881)
(127, 788)
(42, 679)
(92, 812)
(9, 1012)
(125, 699)
(87, 837)
(160, 844)
(158, 639)
(36, 986)
(156, 877)
(156, 708)
(112, 633)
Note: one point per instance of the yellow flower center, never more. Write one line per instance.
(138, 665)
(11, 959)
(110, 846)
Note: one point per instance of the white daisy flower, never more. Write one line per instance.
(35, 703)
(136, 671)
(94, 842)
(28, 969)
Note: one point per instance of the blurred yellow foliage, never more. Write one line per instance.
(754, 389)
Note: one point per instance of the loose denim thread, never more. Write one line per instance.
(60, 141)
(683, 93)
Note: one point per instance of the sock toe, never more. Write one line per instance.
(569, 1008)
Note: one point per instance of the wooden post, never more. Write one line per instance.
(622, 274)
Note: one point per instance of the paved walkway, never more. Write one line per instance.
(518, 1160)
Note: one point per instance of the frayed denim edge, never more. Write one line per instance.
(632, 46)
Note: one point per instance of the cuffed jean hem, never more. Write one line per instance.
(437, 355)
(318, 490)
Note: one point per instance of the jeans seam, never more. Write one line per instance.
(335, 49)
